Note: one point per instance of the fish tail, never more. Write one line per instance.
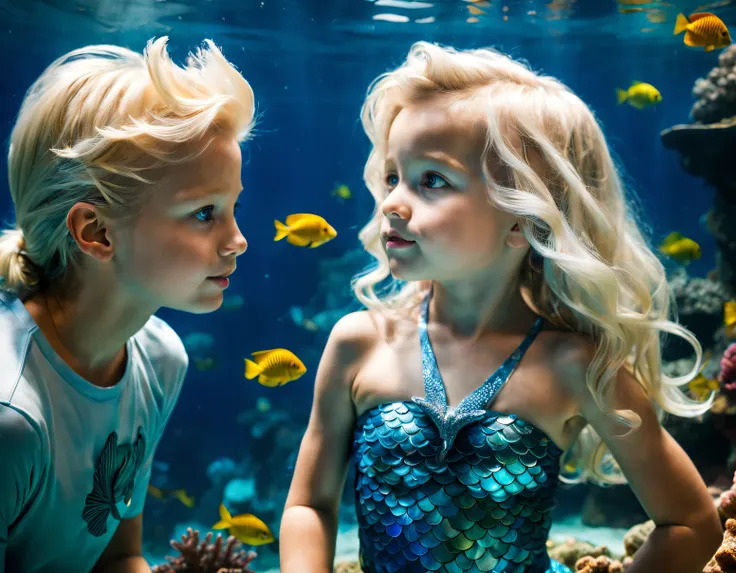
(252, 369)
(281, 230)
(622, 95)
(681, 24)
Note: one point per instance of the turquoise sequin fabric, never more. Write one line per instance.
(463, 489)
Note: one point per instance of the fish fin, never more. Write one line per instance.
(298, 241)
(699, 15)
(316, 244)
(691, 40)
(225, 514)
(622, 95)
(261, 353)
(221, 525)
(636, 82)
(672, 238)
(281, 230)
(252, 369)
(710, 48)
(267, 382)
(681, 24)
(296, 217)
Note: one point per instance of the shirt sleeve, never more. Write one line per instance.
(20, 468)
(141, 484)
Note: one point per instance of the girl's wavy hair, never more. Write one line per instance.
(590, 270)
(90, 127)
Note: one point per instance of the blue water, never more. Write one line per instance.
(310, 62)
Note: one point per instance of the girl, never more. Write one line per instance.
(501, 216)
(124, 172)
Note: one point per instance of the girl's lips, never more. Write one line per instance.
(222, 282)
(397, 243)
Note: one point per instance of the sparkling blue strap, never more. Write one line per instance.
(434, 387)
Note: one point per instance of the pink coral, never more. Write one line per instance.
(222, 556)
(727, 377)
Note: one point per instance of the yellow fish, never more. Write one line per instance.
(475, 11)
(247, 528)
(729, 318)
(680, 248)
(701, 387)
(305, 230)
(164, 494)
(639, 95)
(274, 367)
(343, 192)
(703, 29)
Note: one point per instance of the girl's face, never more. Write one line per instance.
(186, 233)
(437, 197)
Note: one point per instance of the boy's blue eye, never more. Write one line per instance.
(392, 180)
(205, 214)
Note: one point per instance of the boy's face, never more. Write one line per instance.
(186, 233)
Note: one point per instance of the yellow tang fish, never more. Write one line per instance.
(164, 494)
(305, 230)
(343, 192)
(274, 367)
(700, 386)
(680, 248)
(703, 29)
(639, 95)
(246, 528)
(729, 318)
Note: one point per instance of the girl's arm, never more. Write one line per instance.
(309, 523)
(666, 482)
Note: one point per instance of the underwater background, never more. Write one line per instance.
(310, 62)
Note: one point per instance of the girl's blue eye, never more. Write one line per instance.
(205, 214)
(434, 181)
(392, 180)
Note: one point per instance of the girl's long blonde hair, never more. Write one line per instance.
(598, 275)
(88, 130)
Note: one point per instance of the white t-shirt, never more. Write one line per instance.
(75, 458)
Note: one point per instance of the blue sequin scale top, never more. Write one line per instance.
(463, 489)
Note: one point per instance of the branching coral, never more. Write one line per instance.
(222, 556)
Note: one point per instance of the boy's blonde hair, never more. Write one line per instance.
(90, 126)
(598, 277)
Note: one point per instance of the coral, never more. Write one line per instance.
(571, 551)
(222, 556)
(727, 376)
(636, 536)
(600, 564)
(348, 567)
(700, 308)
(724, 561)
(716, 93)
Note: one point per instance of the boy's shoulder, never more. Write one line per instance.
(162, 350)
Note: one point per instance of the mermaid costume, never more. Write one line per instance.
(459, 489)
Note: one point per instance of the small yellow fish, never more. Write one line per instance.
(639, 95)
(247, 528)
(680, 248)
(305, 230)
(474, 10)
(729, 318)
(701, 387)
(703, 29)
(343, 192)
(274, 367)
(164, 494)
